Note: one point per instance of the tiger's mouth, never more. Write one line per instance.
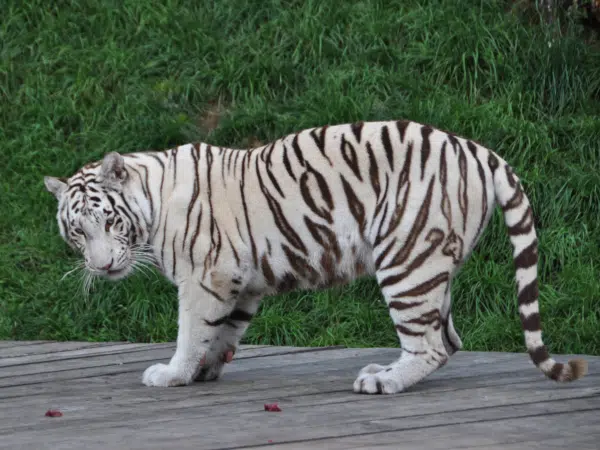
(117, 274)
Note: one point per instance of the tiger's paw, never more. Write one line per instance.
(211, 370)
(385, 381)
(163, 375)
(372, 368)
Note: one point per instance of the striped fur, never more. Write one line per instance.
(397, 200)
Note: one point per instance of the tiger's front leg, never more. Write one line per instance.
(228, 339)
(202, 313)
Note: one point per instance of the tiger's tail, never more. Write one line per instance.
(518, 217)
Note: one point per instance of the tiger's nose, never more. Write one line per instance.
(108, 266)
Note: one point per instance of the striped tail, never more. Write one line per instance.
(518, 217)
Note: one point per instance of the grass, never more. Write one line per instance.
(83, 79)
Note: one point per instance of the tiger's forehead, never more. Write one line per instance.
(82, 179)
(83, 192)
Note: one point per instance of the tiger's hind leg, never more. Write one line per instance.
(416, 300)
(451, 339)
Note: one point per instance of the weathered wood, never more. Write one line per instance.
(79, 352)
(97, 365)
(324, 397)
(479, 400)
(4, 344)
(228, 427)
(537, 432)
(45, 347)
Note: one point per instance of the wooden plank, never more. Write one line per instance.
(137, 361)
(8, 344)
(313, 386)
(260, 384)
(228, 426)
(539, 432)
(120, 349)
(98, 405)
(127, 354)
(61, 346)
(240, 379)
(346, 363)
(45, 347)
(243, 384)
(80, 352)
(108, 365)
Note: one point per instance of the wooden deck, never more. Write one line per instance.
(479, 400)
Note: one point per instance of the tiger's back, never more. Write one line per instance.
(336, 195)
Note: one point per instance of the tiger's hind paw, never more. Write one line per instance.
(385, 381)
(372, 368)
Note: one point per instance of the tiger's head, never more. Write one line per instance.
(95, 218)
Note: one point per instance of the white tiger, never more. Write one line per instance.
(399, 200)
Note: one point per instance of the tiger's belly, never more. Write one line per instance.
(335, 261)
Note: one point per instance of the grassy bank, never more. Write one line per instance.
(77, 81)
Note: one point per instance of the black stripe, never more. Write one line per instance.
(402, 125)
(399, 306)
(425, 148)
(524, 225)
(407, 331)
(174, 268)
(349, 154)
(484, 200)
(374, 174)
(424, 287)
(240, 315)
(297, 150)
(387, 146)
(279, 217)
(245, 206)
(516, 200)
(531, 322)
(211, 292)
(196, 190)
(287, 164)
(216, 323)
(357, 130)
(539, 355)
(529, 293)
(528, 257)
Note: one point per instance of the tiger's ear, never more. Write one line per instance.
(56, 186)
(113, 171)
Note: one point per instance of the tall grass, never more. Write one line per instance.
(82, 78)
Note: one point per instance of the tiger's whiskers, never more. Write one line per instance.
(79, 266)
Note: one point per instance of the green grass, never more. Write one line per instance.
(81, 80)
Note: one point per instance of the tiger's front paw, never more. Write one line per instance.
(163, 375)
(210, 372)
(212, 367)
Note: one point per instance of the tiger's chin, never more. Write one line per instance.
(118, 274)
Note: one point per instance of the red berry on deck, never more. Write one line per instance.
(272, 407)
(53, 413)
